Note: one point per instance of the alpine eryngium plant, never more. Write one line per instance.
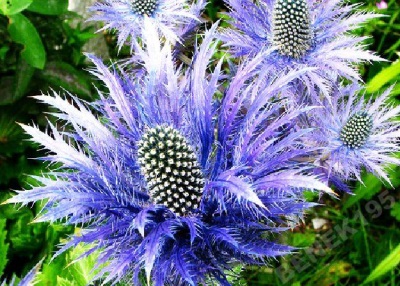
(126, 17)
(179, 172)
(174, 182)
(355, 133)
(294, 34)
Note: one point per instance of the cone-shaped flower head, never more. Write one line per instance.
(171, 170)
(292, 34)
(295, 34)
(169, 180)
(354, 134)
(144, 7)
(127, 17)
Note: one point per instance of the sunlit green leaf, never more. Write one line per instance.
(11, 7)
(387, 264)
(82, 270)
(22, 31)
(383, 77)
(65, 282)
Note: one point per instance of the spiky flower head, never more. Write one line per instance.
(354, 133)
(235, 178)
(292, 34)
(171, 170)
(356, 130)
(295, 34)
(127, 17)
(144, 7)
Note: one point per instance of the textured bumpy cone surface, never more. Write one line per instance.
(171, 169)
(144, 7)
(356, 131)
(291, 27)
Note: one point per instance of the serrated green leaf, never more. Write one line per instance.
(12, 7)
(51, 271)
(387, 264)
(383, 77)
(65, 282)
(49, 7)
(22, 31)
(82, 271)
(3, 245)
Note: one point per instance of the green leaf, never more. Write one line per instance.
(65, 282)
(395, 211)
(81, 271)
(22, 79)
(387, 264)
(11, 134)
(396, 90)
(372, 185)
(49, 7)
(394, 47)
(6, 89)
(60, 74)
(51, 271)
(15, 87)
(3, 246)
(22, 31)
(12, 7)
(383, 77)
(3, 52)
(298, 239)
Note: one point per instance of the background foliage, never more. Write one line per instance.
(351, 241)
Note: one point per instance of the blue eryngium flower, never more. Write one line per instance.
(170, 183)
(127, 17)
(355, 133)
(298, 34)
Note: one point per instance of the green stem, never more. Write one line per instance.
(387, 31)
(365, 238)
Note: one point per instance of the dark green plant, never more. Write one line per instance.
(40, 51)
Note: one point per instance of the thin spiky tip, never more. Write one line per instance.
(144, 7)
(356, 131)
(291, 27)
(171, 170)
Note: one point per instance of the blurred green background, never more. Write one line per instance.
(351, 241)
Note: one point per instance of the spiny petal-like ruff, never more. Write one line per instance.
(291, 27)
(171, 170)
(356, 131)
